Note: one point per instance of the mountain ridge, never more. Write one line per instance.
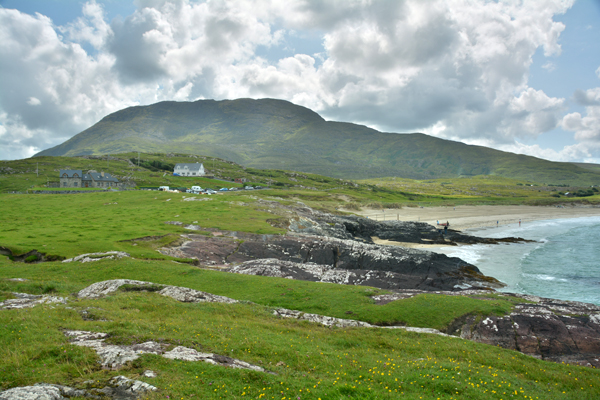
(277, 134)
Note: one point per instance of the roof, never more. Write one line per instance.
(106, 178)
(190, 166)
(71, 172)
(88, 177)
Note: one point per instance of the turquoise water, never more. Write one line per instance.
(563, 263)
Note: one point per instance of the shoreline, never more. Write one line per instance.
(476, 217)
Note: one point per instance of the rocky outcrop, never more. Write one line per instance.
(554, 330)
(327, 273)
(121, 388)
(187, 295)
(101, 289)
(340, 249)
(311, 222)
(25, 300)
(388, 267)
(549, 329)
(116, 356)
(345, 323)
(89, 257)
(183, 294)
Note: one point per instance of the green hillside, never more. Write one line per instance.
(304, 360)
(276, 134)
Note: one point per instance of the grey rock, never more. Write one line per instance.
(101, 289)
(345, 323)
(38, 392)
(327, 273)
(132, 386)
(112, 356)
(149, 374)
(115, 356)
(25, 300)
(553, 330)
(178, 293)
(41, 391)
(89, 257)
(187, 354)
(188, 295)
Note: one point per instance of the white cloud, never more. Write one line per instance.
(586, 128)
(456, 69)
(34, 101)
(549, 66)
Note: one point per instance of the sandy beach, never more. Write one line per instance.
(473, 217)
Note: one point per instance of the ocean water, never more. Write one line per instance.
(563, 263)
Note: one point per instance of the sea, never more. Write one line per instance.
(563, 262)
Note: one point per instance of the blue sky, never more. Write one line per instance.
(516, 76)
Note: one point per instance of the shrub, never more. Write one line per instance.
(32, 258)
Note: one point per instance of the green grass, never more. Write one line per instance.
(482, 190)
(314, 361)
(342, 301)
(68, 225)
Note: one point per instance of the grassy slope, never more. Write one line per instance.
(276, 134)
(325, 193)
(317, 362)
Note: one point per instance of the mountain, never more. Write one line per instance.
(277, 134)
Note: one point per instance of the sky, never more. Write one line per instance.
(518, 76)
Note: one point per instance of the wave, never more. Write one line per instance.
(561, 263)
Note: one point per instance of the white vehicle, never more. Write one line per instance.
(164, 188)
(196, 189)
(249, 188)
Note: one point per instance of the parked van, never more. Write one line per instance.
(164, 188)
(196, 189)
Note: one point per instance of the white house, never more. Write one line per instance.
(194, 169)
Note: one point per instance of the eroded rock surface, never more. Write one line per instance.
(549, 329)
(42, 391)
(101, 289)
(311, 222)
(187, 354)
(89, 257)
(327, 273)
(183, 294)
(24, 300)
(115, 356)
(382, 266)
(554, 330)
(122, 388)
(345, 323)
(188, 295)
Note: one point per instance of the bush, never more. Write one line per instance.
(32, 258)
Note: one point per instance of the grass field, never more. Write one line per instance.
(309, 361)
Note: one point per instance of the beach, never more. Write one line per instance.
(560, 261)
(476, 217)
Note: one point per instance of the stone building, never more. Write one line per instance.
(189, 169)
(75, 178)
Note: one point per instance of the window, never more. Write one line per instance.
(64, 184)
(75, 176)
(74, 184)
(193, 173)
